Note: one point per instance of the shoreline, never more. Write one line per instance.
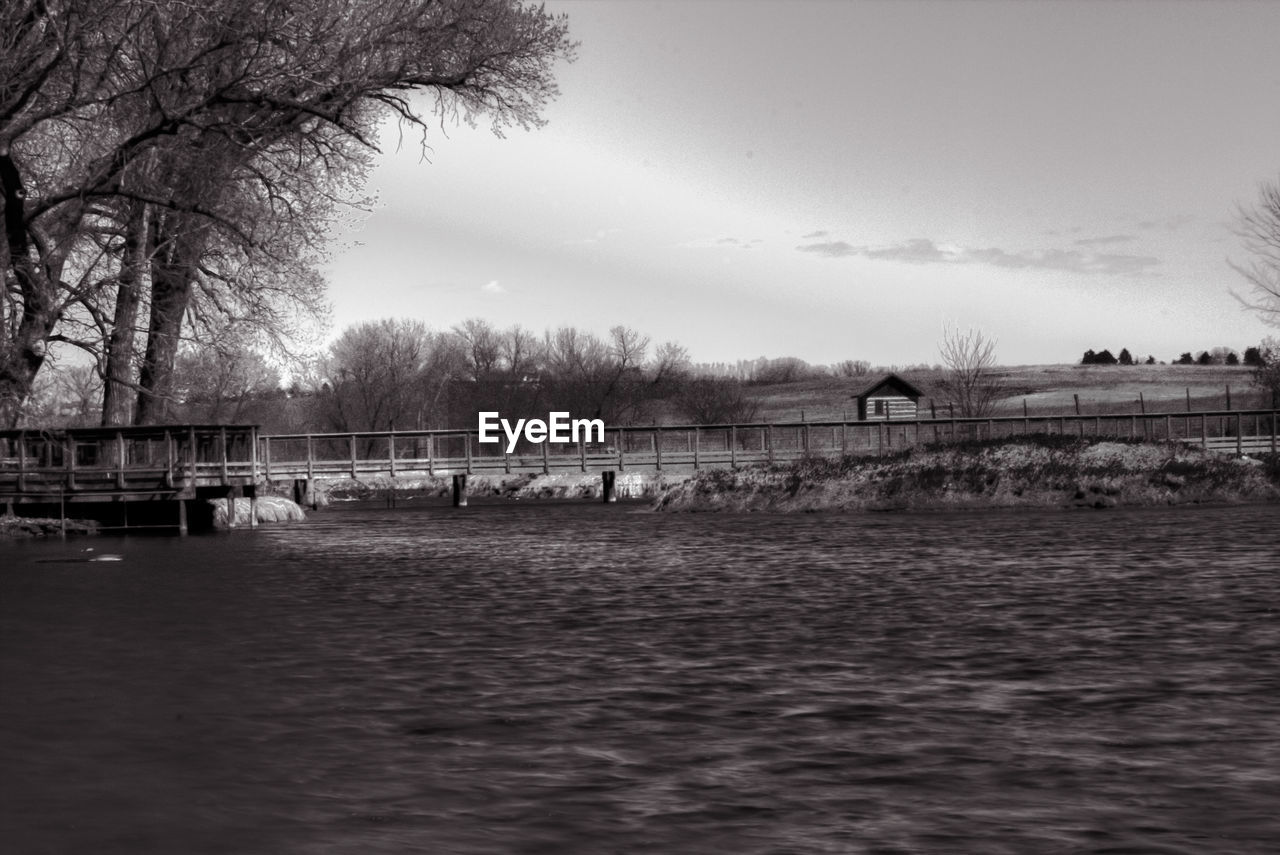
(1033, 472)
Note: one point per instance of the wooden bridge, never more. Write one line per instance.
(177, 464)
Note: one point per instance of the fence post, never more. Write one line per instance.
(1239, 438)
(622, 451)
(391, 450)
(546, 460)
(768, 441)
(733, 446)
(1077, 397)
(311, 458)
(697, 447)
(431, 454)
(657, 446)
(352, 446)
(1188, 388)
(1204, 431)
(266, 454)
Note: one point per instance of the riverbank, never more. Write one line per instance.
(560, 485)
(15, 526)
(1032, 472)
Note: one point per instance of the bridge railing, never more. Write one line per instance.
(332, 455)
(102, 460)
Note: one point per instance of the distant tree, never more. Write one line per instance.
(1126, 358)
(1253, 357)
(1232, 359)
(1151, 360)
(1185, 359)
(969, 363)
(1267, 373)
(852, 368)
(1089, 357)
(1259, 229)
(1105, 357)
(1204, 358)
(715, 400)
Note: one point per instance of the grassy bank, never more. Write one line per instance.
(1031, 471)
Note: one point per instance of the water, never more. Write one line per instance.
(570, 678)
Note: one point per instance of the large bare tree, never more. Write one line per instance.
(1259, 229)
(188, 110)
(970, 379)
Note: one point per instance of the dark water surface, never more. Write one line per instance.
(567, 678)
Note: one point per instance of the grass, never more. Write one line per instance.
(1047, 390)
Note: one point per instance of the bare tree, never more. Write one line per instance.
(182, 106)
(1259, 229)
(969, 361)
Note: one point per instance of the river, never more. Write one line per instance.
(580, 678)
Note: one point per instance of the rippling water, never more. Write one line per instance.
(569, 678)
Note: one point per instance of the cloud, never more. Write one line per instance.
(492, 287)
(834, 249)
(813, 236)
(1168, 224)
(1098, 241)
(925, 251)
(721, 243)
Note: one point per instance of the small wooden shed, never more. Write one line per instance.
(890, 397)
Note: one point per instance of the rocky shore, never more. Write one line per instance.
(1031, 472)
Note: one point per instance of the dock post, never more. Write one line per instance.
(252, 490)
(608, 492)
(182, 517)
(231, 508)
(460, 490)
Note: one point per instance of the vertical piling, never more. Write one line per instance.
(460, 490)
(608, 486)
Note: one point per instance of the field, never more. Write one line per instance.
(1045, 390)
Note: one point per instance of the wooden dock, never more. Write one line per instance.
(156, 471)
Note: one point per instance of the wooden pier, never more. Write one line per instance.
(150, 473)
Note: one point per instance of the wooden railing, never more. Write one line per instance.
(167, 460)
(336, 455)
(127, 460)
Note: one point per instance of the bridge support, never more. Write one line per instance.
(303, 493)
(607, 491)
(460, 491)
(182, 517)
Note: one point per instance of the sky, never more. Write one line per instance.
(844, 180)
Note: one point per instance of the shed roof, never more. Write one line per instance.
(892, 381)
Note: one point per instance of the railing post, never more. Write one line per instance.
(170, 459)
(22, 461)
(431, 454)
(351, 442)
(546, 460)
(120, 459)
(266, 456)
(768, 442)
(391, 451)
(466, 439)
(622, 451)
(1204, 430)
(1239, 438)
(506, 461)
(253, 475)
(193, 467)
(311, 459)
(222, 432)
(1273, 432)
(733, 445)
(804, 438)
(657, 446)
(69, 452)
(582, 454)
(697, 447)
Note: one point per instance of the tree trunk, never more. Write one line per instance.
(118, 385)
(22, 356)
(175, 252)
